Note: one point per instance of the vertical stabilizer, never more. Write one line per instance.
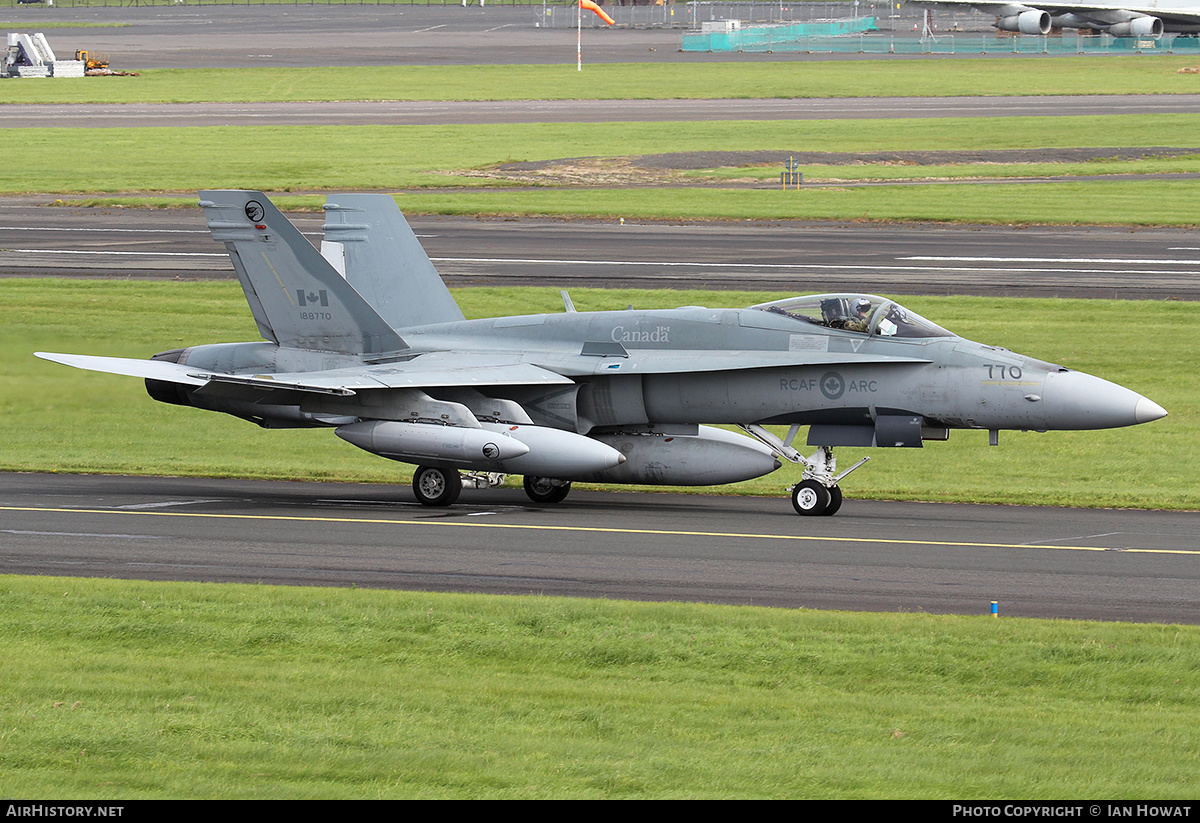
(382, 258)
(297, 298)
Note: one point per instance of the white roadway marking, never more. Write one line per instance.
(85, 534)
(132, 231)
(742, 266)
(1079, 537)
(1054, 260)
(799, 266)
(123, 253)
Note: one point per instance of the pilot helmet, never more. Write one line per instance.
(861, 305)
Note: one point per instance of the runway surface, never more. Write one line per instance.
(793, 257)
(876, 556)
(430, 112)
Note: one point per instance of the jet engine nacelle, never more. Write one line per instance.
(1034, 21)
(709, 458)
(1138, 27)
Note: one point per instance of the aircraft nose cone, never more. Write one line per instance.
(1147, 410)
(1075, 400)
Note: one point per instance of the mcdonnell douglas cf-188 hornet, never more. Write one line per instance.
(364, 337)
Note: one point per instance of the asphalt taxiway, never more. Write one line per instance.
(879, 556)
(474, 112)
(1105, 262)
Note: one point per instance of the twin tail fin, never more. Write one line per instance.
(298, 299)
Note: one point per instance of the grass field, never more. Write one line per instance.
(1183, 163)
(448, 169)
(1117, 202)
(62, 419)
(128, 689)
(282, 158)
(1096, 74)
(441, 170)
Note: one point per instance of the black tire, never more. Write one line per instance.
(810, 498)
(545, 490)
(436, 487)
(835, 501)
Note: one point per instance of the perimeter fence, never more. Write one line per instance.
(797, 39)
(640, 12)
(631, 13)
(767, 26)
(562, 13)
(693, 15)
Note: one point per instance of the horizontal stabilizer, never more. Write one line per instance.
(191, 376)
(128, 366)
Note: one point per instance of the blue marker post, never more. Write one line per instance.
(995, 608)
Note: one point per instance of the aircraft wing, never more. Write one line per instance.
(434, 370)
(445, 369)
(440, 369)
(465, 369)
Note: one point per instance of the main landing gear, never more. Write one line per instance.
(818, 492)
(436, 486)
(546, 489)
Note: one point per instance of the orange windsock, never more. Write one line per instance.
(590, 6)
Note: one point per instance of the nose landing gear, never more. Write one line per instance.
(818, 492)
(811, 498)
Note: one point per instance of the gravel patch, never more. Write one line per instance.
(692, 160)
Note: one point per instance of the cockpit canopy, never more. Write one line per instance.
(861, 313)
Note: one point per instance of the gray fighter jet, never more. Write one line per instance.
(364, 338)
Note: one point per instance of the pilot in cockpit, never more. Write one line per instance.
(861, 319)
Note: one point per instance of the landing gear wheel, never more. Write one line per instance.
(545, 490)
(436, 487)
(810, 498)
(835, 501)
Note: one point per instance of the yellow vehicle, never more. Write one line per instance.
(97, 61)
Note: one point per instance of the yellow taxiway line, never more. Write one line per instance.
(601, 530)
